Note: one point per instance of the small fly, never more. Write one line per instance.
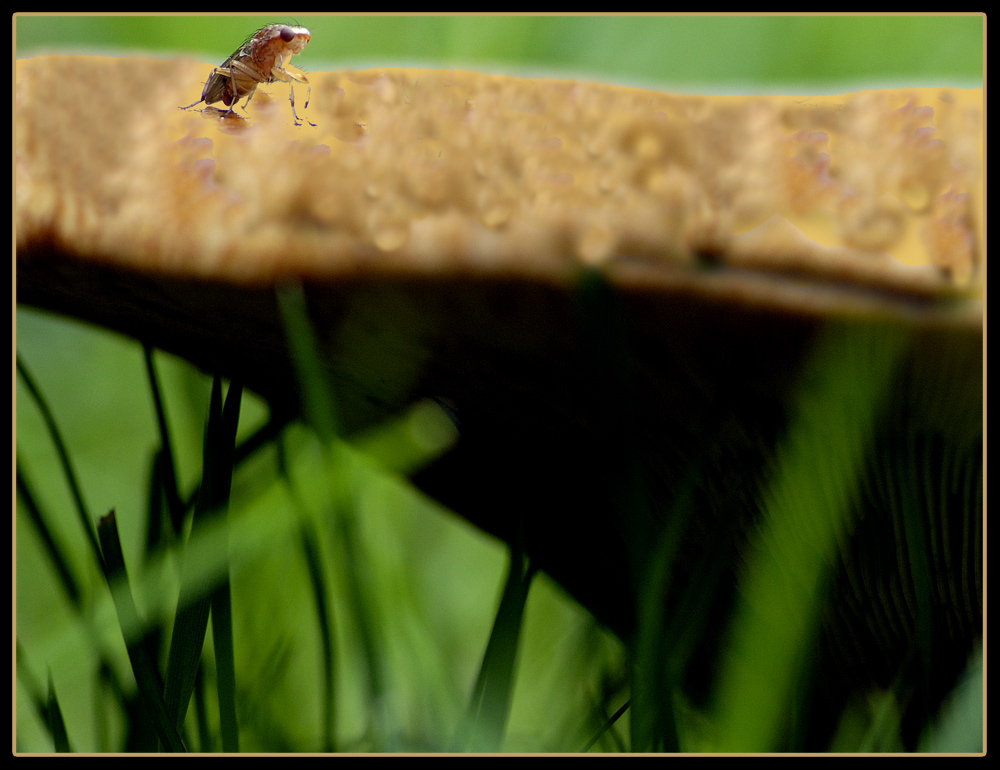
(260, 59)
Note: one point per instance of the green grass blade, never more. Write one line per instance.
(67, 465)
(57, 555)
(147, 676)
(360, 595)
(194, 602)
(317, 575)
(195, 599)
(30, 684)
(186, 643)
(309, 536)
(27, 683)
(609, 723)
(805, 508)
(258, 439)
(653, 724)
(222, 611)
(319, 409)
(222, 637)
(168, 469)
(205, 738)
(317, 396)
(489, 707)
(656, 666)
(54, 720)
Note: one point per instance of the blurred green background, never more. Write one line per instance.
(437, 579)
(687, 52)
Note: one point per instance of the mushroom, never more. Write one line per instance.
(613, 290)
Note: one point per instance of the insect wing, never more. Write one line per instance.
(215, 89)
(220, 84)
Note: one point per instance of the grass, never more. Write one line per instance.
(327, 634)
(334, 646)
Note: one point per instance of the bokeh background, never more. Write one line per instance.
(437, 579)
(696, 53)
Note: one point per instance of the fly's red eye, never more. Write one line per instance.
(287, 34)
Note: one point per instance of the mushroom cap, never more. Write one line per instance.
(174, 226)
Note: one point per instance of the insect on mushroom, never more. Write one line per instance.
(260, 59)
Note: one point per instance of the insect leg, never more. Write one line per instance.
(236, 94)
(249, 97)
(277, 73)
(291, 98)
